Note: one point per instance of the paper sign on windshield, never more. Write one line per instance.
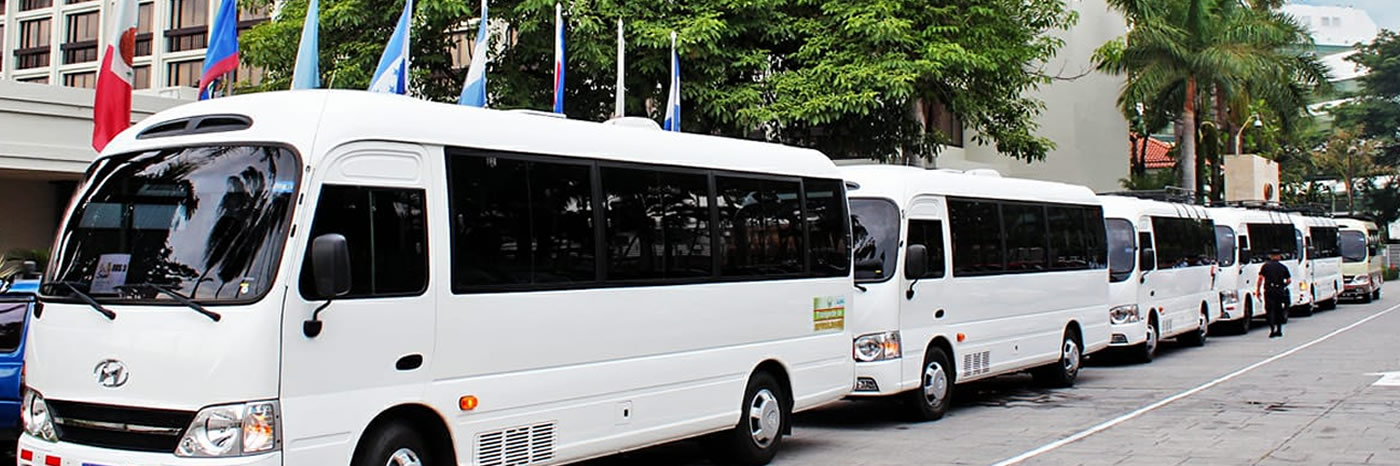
(111, 273)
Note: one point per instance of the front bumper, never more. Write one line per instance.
(886, 377)
(39, 453)
(1128, 334)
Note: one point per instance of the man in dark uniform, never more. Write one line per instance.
(1273, 282)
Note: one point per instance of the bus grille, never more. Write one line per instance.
(119, 427)
(516, 446)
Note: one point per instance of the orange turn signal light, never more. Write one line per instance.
(961, 337)
(467, 403)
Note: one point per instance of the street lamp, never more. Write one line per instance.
(1239, 137)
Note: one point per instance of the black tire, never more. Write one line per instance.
(388, 443)
(1242, 328)
(1063, 372)
(1146, 351)
(1376, 294)
(744, 445)
(1305, 310)
(930, 401)
(1330, 304)
(1198, 337)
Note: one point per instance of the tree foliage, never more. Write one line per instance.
(836, 75)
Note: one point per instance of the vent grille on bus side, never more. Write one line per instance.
(516, 446)
(119, 427)
(977, 363)
(197, 125)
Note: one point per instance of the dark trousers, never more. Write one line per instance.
(1276, 302)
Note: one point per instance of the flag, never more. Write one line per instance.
(391, 76)
(221, 57)
(558, 59)
(673, 98)
(474, 88)
(111, 106)
(308, 70)
(621, 69)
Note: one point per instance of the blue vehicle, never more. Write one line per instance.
(16, 303)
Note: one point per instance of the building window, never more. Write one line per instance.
(188, 21)
(1326, 21)
(80, 45)
(460, 49)
(143, 77)
(36, 80)
(26, 5)
(70, 2)
(939, 118)
(86, 80)
(248, 75)
(33, 49)
(143, 29)
(1336, 21)
(185, 73)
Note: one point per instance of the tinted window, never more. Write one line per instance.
(760, 226)
(387, 234)
(1069, 238)
(930, 234)
(977, 237)
(519, 222)
(875, 238)
(12, 316)
(1353, 246)
(827, 229)
(1144, 245)
(1225, 246)
(1325, 241)
(1184, 242)
(1026, 236)
(1122, 249)
(1098, 243)
(658, 224)
(1269, 237)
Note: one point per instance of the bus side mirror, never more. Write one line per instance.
(330, 265)
(330, 270)
(915, 261)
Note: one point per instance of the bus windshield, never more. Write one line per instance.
(1353, 246)
(1225, 245)
(207, 223)
(875, 229)
(1122, 250)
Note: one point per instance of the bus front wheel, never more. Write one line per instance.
(393, 444)
(931, 399)
(763, 419)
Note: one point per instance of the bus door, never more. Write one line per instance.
(926, 312)
(377, 337)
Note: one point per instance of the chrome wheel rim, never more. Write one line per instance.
(404, 457)
(765, 418)
(1151, 339)
(1070, 358)
(1205, 327)
(935, 384)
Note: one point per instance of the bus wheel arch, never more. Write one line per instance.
(779, 372)
(755, 440)
(932, 397)
(422, 420)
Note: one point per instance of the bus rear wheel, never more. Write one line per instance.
(1198, 336)
(393, 444)
(931, 399)
(763, 419)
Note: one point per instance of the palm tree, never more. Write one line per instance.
(1181, 55)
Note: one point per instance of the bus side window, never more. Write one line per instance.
(930, 234)
(386, 229)
(1147, 256)
(1244, 249)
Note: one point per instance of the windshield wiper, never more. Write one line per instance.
(214, 316)
(72, 286)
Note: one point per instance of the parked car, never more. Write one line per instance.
(16, 302)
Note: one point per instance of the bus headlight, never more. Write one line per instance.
(877, 346)
(233, 430)
(1125, 314)
(1361, 280)
(34, 413)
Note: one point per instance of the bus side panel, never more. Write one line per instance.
(620, 368)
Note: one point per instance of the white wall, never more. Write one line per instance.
(1081, 114)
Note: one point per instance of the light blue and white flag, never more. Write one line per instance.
(673, 98)
(474, 88)
(391, 76)
(307, 74)
(558, 60)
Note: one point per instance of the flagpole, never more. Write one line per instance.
(619, 101)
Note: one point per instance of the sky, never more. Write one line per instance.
(1386, 13)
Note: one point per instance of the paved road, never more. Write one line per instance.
(1302, 399)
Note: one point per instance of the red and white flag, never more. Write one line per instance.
(111, 110)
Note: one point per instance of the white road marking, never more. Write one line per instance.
(1149, 408)
(1387, 379)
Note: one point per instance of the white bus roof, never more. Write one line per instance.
(1235, 217)
(1132, 208)
(902, 183)
(324, 119)
(1356, 224)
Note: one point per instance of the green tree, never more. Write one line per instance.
(848, 78)
(1186, 58)
(1374, 115)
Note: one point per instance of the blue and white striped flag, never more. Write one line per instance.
(474, 89)
(391, 76)
(673, 99)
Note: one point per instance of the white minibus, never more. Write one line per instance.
(1235, 273)
(340, 277)
(1324, 262)
(1162, 258)
(966, 276)
(1363, 259)
(1258, 232)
